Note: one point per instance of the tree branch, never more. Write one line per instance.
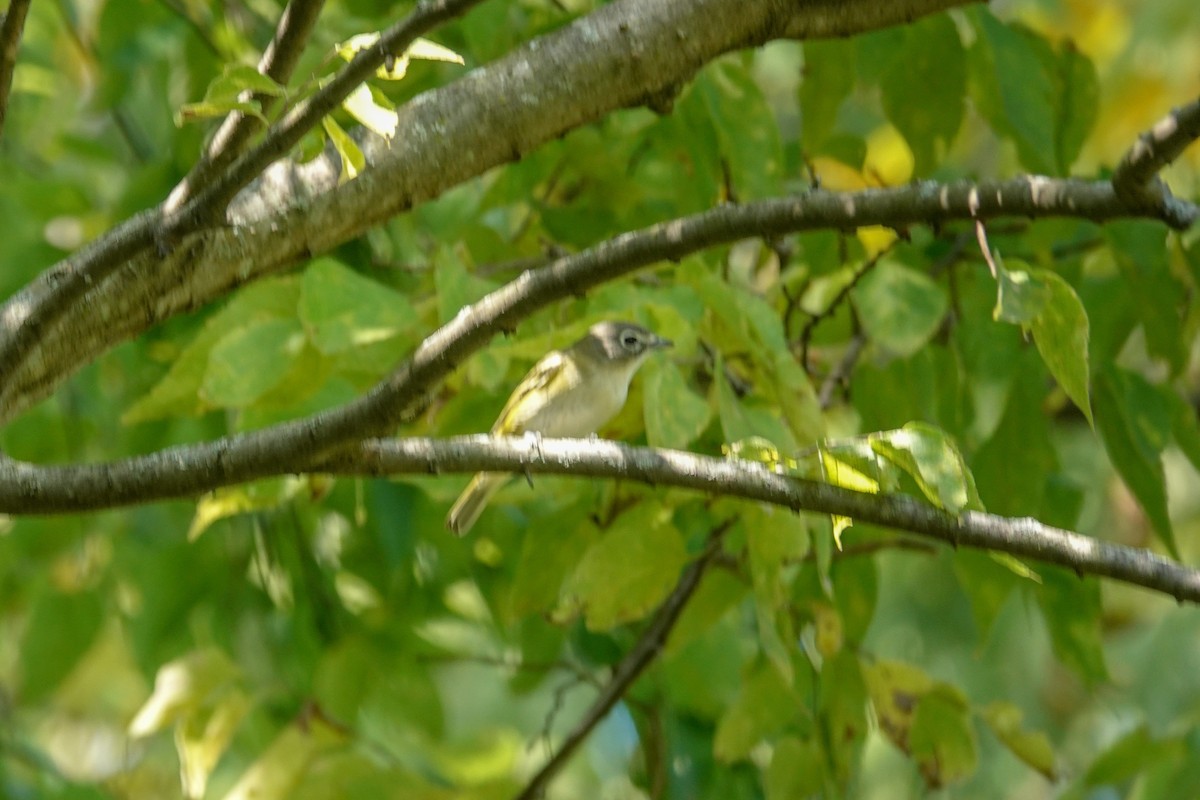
(43, 303)
(30, 489)
(278, 61)
(296, 445)
(620, 55)
(1154, 149)
(11, 27)
(640, 656)
(926, 202)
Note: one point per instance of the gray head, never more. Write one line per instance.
(621, 341)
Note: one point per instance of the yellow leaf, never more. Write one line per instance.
(362, 105)
(181, 686)
(889, 160)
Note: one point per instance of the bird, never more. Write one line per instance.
(568, 393)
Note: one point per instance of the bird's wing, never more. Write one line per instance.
(516, 412)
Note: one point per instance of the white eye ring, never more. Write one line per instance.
(630, 340)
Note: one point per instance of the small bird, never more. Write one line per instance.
(569, 392)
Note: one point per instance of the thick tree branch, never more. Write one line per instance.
(649, 644)
(623, 54)
(27, 317)
(30, 489)
(11, 27)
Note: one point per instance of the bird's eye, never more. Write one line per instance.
(630, 340)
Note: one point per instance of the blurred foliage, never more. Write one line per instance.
(307, 638)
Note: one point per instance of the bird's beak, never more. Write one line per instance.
(661, 344)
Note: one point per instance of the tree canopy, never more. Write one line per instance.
(908, 507)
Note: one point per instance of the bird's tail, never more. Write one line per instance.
(471, 502)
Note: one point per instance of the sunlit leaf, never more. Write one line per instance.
(281, 767)
(182, 686)
(371, 111)
(352, 159)
(934, 462)
(395, 68)
(202, 736)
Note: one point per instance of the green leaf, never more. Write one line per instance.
(224, 94)
(842, 701)
(1140, 248)
(934, 462)
(60, 629)
(675, 415)
(943, 740)
(1184, 427)
(1045, 304)
(626, 574)
(751, 149)
(828, 77)
(352, 159)
(1060, 332)
(1021, 296)
(765, 704)
(1071, 608)
(774, 537)
(544, 564)
(1134, 421)
(205, 109)
(924, 90)
(456, 286)
(796, 397)
(1079, 90)
(341, 309)
(249, 360)
(238, 78)
(229, 501)
(900, 308)
(178, 392)
(1129, 757)
(895, 688)
(1031, 747)
(797, 769)
(1014, 88)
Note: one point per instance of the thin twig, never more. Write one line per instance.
(277, 63)
(640, 656)
(206, 39)
(816, 319)
(840, 374)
